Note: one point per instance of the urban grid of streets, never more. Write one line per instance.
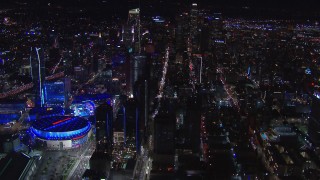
(242, 79)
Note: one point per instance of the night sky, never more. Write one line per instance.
(246, 8)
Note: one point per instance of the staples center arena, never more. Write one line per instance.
(61, 132)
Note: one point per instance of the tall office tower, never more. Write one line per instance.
(37, 65)
(134, 25)
(194, 25)
(193, 18)
(217, 33)
(137, 70)
(138, 67)
(104, 129)
(126, 37)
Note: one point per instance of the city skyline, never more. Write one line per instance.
(153, 90)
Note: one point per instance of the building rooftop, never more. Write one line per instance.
(13, 165)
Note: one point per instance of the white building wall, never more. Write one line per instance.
(67, 144)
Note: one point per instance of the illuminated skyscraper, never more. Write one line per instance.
(37, 65)
(134, 25)
(193, 18)
(54, 93)
(194, 24)
(57, 93)
(137, 68)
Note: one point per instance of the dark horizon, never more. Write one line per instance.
(234, 8)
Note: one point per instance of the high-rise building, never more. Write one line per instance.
(134, 29)
(136, 71)
(54, 93)
(137, 68)
(104, 128)
(194, 25)
(37, 65)
(57, 93)
(193, 19)
(217, 34)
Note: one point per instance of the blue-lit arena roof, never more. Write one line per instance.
(60, 128)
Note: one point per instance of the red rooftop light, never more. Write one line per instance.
(60, 121)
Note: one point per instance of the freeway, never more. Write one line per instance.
(28, 86)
